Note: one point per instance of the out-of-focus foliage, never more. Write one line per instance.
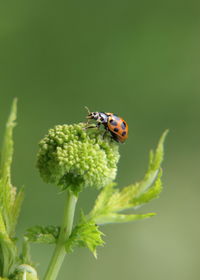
(40, 234)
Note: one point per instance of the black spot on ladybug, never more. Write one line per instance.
(123, 125)
(123, 133)
(112, 122)
(116, 129)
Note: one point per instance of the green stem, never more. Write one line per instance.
(65, 231)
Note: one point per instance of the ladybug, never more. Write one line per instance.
(112, 123)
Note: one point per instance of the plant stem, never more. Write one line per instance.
(65, 231)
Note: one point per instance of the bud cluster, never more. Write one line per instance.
(73, 157)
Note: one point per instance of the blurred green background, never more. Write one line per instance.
(140, 60)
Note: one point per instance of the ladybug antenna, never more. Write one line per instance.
(87, 110)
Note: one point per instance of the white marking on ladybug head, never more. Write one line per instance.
(95, 115)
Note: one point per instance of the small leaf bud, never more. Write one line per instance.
(25, 271)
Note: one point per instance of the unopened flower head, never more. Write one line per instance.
(25, 271)
(75, 157)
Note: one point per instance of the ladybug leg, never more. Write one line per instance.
(90, 126)
(93, 125)
(98, 125)
(114, 137)
(105, 132)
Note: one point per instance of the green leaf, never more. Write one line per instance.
(111, 200)
(86, 234)
(15, 209)
(10, 201)
(39, 234)
(8, 254)
(151, 193)
(122, 218)
(102, 203)
(25, 256)
(8, 250)
(7, 150)
(2, 225)
(153, 172)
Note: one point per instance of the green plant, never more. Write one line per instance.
(72, 158)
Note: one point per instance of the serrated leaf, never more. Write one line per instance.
(7, 149)
(111, 200)
(151, 193)
(122, 218)
(2, 225)
(102, 203)
(85, 234)
(25, 256)
(9, 254)
(39, 234)
(8, 214)
(155, 161)
(10, 203)
(8, 251)
(15, 209)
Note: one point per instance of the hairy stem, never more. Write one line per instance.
(65, 231)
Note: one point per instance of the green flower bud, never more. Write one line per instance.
(73, 157)
(25, 271)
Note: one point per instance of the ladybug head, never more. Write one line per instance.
(92, 115)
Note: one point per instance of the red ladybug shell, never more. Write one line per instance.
(118, 127)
